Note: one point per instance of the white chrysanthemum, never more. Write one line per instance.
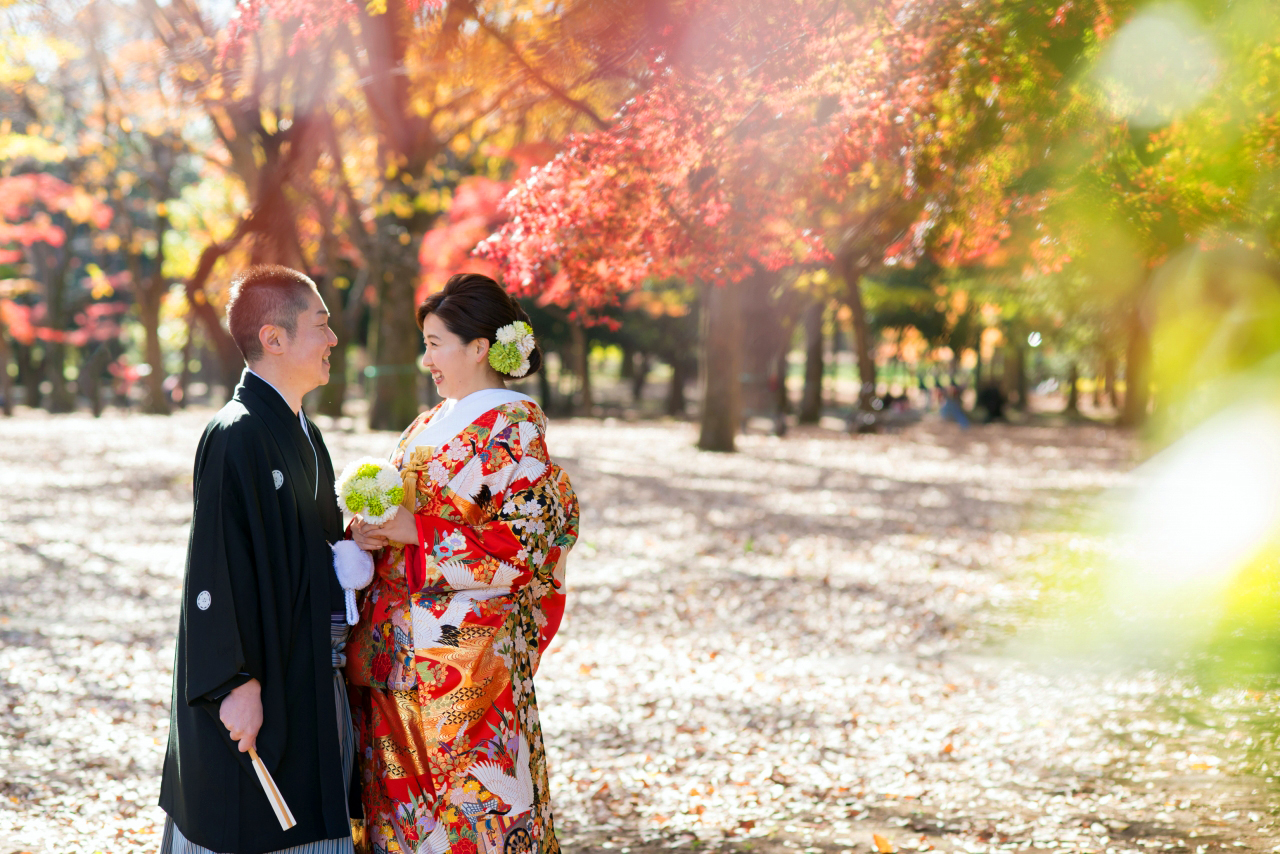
(525, 344)
(522, 369)
(371, 487)
(388, 479)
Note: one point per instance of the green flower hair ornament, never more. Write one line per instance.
(371, 487)
(510, 353)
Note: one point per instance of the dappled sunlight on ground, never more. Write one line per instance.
(795, 646)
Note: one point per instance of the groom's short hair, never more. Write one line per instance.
(265, 295)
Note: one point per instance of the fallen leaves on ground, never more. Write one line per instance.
(791, 647)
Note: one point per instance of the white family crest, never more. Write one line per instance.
(204, 600)
(277, 477)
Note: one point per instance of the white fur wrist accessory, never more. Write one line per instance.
(354, 567)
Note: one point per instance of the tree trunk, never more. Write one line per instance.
(55, 370)
(1073, 390)
(721, 368)
(1137, 392)
(675, 404)
(333, 393)
(627, 368)
(764, 325)
(781, 394)
(153, 288)
(811, 397)
(6, 381)
(221, 344)
(394, 376)
(861, 332)
(580, 346)
(149, 299)
(91, 377)
(1020, 359)
(781, 400)
(54, 274)
(188, 351)
(1109, 380)
(639, 374)
(30, 370)
(1015, 376)
(546, 401)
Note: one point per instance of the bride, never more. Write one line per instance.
(467, 593)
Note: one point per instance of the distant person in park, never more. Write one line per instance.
(952, 408)
(992, 401)
(467, 593)
(263, 617)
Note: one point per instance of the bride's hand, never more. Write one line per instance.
(401, 528)
(366, 536)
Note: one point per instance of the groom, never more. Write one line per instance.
(253, 665)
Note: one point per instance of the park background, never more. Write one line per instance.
(892, 344)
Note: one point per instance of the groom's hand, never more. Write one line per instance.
(241, 714)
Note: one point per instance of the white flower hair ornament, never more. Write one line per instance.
(354, 567)
(510, 353)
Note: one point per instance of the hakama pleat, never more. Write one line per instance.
(173, 842)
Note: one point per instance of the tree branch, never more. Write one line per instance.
(559, 93)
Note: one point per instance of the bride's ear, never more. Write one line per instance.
(481, 346)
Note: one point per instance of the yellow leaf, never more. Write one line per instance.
(883, 845)
(14, 146)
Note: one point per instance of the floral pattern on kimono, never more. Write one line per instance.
(450, 634)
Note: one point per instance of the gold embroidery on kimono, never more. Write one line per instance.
(451, 631)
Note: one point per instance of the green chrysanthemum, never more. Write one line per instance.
(504, 358)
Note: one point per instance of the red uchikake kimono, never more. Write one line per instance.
(441, 664)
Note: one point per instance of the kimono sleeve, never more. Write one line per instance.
(511, 494)
(549, 592)
(220, 642)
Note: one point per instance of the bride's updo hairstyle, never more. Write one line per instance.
(471, 306)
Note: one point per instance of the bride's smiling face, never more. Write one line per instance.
(457, 366)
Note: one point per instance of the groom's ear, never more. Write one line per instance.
(271, 337)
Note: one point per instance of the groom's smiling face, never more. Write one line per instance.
(306, 351)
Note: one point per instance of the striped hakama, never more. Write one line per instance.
(173, 842)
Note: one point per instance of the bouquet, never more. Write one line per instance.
(371, 487)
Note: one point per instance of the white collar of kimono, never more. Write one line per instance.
(455, 415)
(301, 418)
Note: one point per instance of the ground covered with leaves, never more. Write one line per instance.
(812, 644)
